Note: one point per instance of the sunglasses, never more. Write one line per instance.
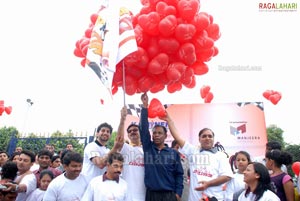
(133, 130)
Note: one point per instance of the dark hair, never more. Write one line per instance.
(106, 125)
(264, 181)
(174, 143)
(47, 172)
(9, 170)
(11, 158)
(63, 153)
(72, 156)
(115, 156)
(131, 125)
(280, 157)
(45, 152)
(30, 154)
(205, 129)
(54, 158)
(1, 152)
(273, 145)
(160, 126)
(232, 159)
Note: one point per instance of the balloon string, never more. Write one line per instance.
(123, 66)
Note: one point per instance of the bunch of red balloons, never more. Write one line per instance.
(175, 40)
(81, 45)
(4, 108)
(273, 96)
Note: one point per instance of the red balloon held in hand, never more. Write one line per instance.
(296, 168)
(156, 109)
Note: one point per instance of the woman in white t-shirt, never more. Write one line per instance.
(258, 181)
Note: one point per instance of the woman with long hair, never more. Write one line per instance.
(258, 181)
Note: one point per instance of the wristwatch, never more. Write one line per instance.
(17, 188)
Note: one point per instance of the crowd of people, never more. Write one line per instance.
(145, 168)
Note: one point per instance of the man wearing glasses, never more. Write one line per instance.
(133, 170)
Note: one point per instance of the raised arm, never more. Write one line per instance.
(119, 141)
(144, 123)
(101, 162)
(173, 129)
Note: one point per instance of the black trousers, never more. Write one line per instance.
(160, 195)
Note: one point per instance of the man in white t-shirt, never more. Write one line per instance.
(70, 185)
(25, 182)
(109, 186)
(95, 153)
(133, 171)
(209, 168)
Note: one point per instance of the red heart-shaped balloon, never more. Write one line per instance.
(8, 109)
(188, 8)
(167, 25)
(208, 97)
(174, 86)
(163, 9)
(200, 68)
(275, 98)
(186, 54)
(213, 31)
(158, 64)
(201, 21)
(156, 109)
(267, 94)
(192, 84)
(158, 86)
(168, 45)
(149, 22)
(185, 32)
(204, 91)
(2, 108)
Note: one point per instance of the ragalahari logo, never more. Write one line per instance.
(238, 130)
(277, 7)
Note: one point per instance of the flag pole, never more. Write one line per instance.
(123, 69)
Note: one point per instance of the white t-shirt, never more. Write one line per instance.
(63, 189)
(134, 171)
(234, 185)
(89, 169)
(267, 196)
(30, 182)
(98, 190)
(205, 166)
(36, 195)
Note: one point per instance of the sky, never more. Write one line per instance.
(37, 62)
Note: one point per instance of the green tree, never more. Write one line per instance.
(111, 140)
(6, 134)
(33, 143)
(60, 141)
(294, 150)
(274, 133)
